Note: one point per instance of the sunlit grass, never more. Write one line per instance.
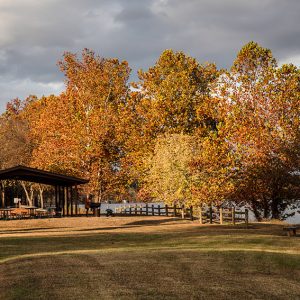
(153, 260)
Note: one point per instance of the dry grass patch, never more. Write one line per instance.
(158, 274)
(146, 258)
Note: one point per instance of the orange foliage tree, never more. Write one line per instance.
(257, 105)
(75, 131)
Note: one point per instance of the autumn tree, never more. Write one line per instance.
(76, 130)
(166, 101)
(258, 106)
(15, 134)
(172, 91)
(214, 170)
(169, 177)
(18, 145)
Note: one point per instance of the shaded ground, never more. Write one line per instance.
(146, 258)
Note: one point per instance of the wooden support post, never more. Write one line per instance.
(147, 209)
(141, 210)
(182, 212)
(67, 200)
(174, 212)
(56, 197)
(86, 210)
(71, 200)
(221, 215)
(2, 194)
(200, 215)
(210, 215)
(191, 213)
(129, 209)
(65, 191)
(233, 215)
(135, 210)
(246, 217)
(167, 210)
(152, 209)
(158, 209)
(61, 200)
(76, 200)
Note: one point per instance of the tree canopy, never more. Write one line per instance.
(183, 132)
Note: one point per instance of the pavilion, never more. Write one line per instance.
(66, 194)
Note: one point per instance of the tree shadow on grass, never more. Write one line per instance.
(197, 231)
(151, 222)
(25, 230)
(135, 224)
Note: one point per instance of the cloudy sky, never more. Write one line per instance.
(35, 33)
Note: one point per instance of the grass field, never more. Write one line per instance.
(146, 258)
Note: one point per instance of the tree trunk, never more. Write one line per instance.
(266, 208)
(256, 210)
(28, 196)
(274, 208)
(41, 190)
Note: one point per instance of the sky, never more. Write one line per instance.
(34, 34)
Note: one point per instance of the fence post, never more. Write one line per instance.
(141, 210)
(135, 209)
(191, 213)
(182, 212)
(130, 210)
(147, 209)
(246, 217)
(233, 215)
(200, 215)
(174, 210)
(221, 215)
(152, 210)
(166, 209)
(210, 215)
(158, 209)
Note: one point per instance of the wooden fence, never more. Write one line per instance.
(209, 215)
(156, 210)
(222, 215)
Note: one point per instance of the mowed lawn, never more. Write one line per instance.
(146, 258)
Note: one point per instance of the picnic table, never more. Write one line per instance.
(40, 212)
(31, 209)
(19, 212)
(5, 212)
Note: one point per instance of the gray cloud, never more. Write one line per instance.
(34, 34)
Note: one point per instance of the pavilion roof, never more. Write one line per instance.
(40, 176)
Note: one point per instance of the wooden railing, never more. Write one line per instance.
(156, 210)
(222, 215)
(209, 215)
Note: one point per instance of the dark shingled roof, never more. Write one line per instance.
(40, 176)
